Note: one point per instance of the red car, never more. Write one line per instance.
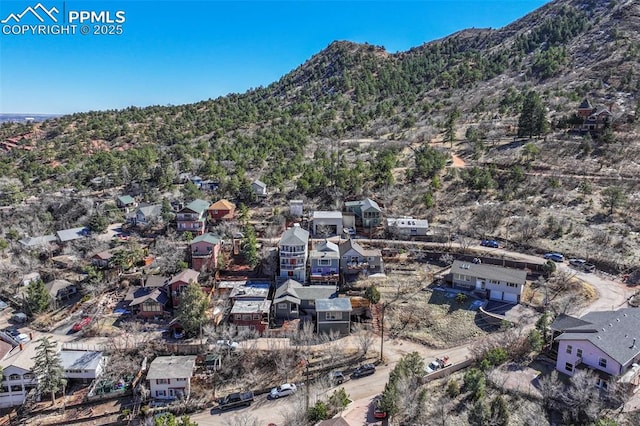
(378, 412)
(81, 324)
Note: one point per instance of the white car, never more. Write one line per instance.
(283, 390)
(227, 344)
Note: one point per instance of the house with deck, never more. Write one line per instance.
(607, 343)
(147, 302)
(147, 214)
(193, 217)
(251, 315)
(205, 251)
(491, 281)
(179, 282)
(294, 251)
(169, 377)
(325, 264)
(355, 259)
(82, 366)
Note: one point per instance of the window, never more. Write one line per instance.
(14, 377)
(246, 317)
(282, 306)
(28, 376)
(569, 349)
(161, 393)
(256, 317)
(161, 381)
(579, 353)
(333, 315)
(602, 362)
(181, 379)
(494, 281)
(568, 366)
(512, 285)
(324, 262)
(602, 384)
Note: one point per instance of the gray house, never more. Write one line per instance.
(494, 282)
(147, 214)
(367, 212)
(294, 253)
(325, 263)
(333, 315)
(293, 300)
(354, 259)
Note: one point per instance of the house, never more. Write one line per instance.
(30, 278)
(367, 212)
(192, 217)
(250, 315)
(102, 259)
(197, 181)
(333, 315)
(155, 281)
(354, 259)
(147, 302)
(147, 214)
(209, 185)
(43, 242)
(18, 378)
(295, 208)
(293, 253)
(607, 342)
(67, 235)
(84, 366)
(205, 250)
(595, 119)
(494, 282)
(407, 226)
(327, 223)
(60, 290)
(222, 210)
(292, 300)
(126, 202)
(169, 377)
(179, 282)
(325, 263)
(259, 187)
(250, 290)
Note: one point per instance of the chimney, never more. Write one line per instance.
(634, 343)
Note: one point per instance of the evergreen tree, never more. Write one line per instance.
(533, 119)
(250, 248)
(613, 197)
(372, 294)
(47, 367)
(38, 298)
(192, 311)
(499, 411)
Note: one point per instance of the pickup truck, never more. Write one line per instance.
(237, 399)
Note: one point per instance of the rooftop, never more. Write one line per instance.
(294, 236)
(251, 306)
(340, 304)
(207, 238)
(327, 215)
(171, 367)
(80, 360)
(490, 272)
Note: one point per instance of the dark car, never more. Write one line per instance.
(363, 370)
(490, 243)
(556, 257)
(234, 400)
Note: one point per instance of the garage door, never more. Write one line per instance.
(510, 297)
(495, 295)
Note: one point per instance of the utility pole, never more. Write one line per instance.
(308, 388)
(382, 332)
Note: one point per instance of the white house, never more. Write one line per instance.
(327, 223)
(169, 377)
(259, 187)
(82, 365)
(496, 282)
(407, 226)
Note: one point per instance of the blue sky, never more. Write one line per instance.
(175, 52)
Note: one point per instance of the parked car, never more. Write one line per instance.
(227, 344)
(490, 243)
(578, 263)
(19, 317)
(589, 267)
(283, 390)
(363, 370)
(336, 377)
(3, 305)
(237, 399)
(81, 324)
(556, 257)
(378, 411)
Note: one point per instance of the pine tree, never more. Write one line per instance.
(192, 309)
(38, 298)
(533, 120)
(47, 367)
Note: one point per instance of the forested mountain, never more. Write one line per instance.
(356, 120)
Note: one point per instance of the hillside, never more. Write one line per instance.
(355, 120)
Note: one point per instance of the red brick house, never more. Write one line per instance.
(204, 252)
(178, 283)
(222, 210)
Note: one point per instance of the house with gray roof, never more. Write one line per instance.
(147, 214)
(83, 366)
(368, 213)
(147, 302)
(292, 300)
(169, 377)
(33, 243)
(72, 234)
(607, 342)
(259, 187)
(494, 282)
(205, 250)
(406, 226)
(325, 264)
(333, 315)
(60, 290)
(327, 223)
(294, 252)
(355, 259)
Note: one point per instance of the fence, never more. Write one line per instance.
(439, 374)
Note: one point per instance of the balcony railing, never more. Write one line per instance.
(292, 253)
(326, 277)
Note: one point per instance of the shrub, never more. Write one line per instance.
(318, 412)
(453, 388)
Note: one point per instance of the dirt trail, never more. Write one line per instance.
(457, 161)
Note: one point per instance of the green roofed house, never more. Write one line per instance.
(193, 217)
(368, 213)
(204, 252)
(126, 202)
